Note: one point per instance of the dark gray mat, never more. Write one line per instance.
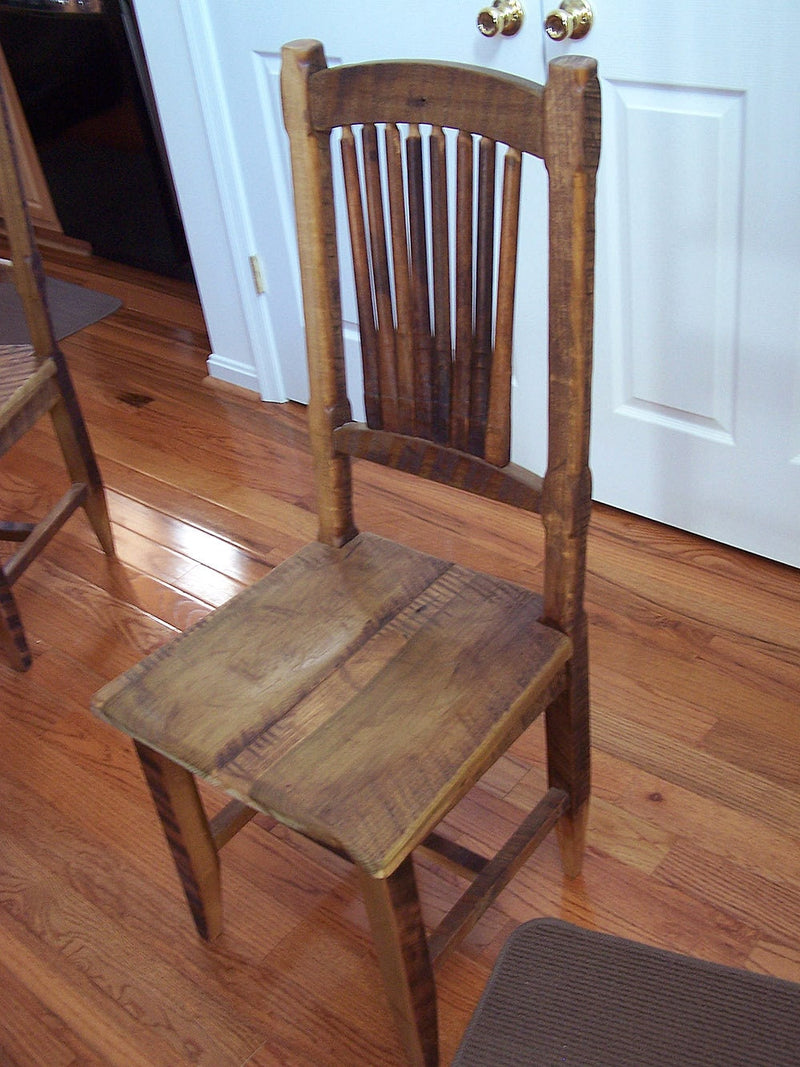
(562, 995)
(71, 308)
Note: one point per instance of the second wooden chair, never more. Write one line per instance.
(35, 381)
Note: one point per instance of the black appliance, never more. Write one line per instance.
(79, 70)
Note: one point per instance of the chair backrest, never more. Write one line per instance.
(25, 268)
(435, 294)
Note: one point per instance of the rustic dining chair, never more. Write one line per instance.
(35, 381)
(361, 689)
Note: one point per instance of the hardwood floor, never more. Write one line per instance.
(696, 692)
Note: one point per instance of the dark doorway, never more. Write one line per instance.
(80, 73)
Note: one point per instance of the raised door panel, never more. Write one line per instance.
(676, 244)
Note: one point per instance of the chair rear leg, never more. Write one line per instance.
(188, 834)
(82, 466)
(397, 928)
(568, 754)
(12, 635)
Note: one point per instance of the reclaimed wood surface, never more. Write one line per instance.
(327, 675)
(695, 819)
(361, 689)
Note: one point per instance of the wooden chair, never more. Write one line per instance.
(359, 691)
(34, 381)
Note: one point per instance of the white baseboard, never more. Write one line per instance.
(227, 370)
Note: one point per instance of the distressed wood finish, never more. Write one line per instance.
(35, 381)
(571, 153)
(494, 876)
(189, 837)
(510, 484)
(360, 690)
(396, 921)
(328, 676)
(441, 368)
(509, 108)
(498, 423)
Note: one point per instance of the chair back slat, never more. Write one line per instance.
(462, 355)
(404, 340)
(363, 286)
(420, 377)
(484, 297)
(497, 447)
(381, 280)
(440, 257)
(420, 286)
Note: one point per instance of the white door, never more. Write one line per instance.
(697, 380)
(697, 384)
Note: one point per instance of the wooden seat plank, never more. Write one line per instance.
(427, 669)
(245, 685)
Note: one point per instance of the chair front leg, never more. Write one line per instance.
(399, 934)
(186, 827)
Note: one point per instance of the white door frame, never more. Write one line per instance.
(190, 97)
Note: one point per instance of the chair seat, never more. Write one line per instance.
(17, 364)
(27, 391)
(395, 677)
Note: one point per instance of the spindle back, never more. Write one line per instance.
(431, 157)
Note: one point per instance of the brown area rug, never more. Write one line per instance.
(562, 995)
(71, 308)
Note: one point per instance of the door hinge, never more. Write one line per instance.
(258, 277)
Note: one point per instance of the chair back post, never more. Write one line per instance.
(571, 155)
(27, 273)
(319, 271)
(26, 266)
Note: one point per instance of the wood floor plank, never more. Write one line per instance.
(89, 891)
(687, 814)
(89, 1015)
(106, 633)
(766, 904)
(740, 789)
(32, 1034)
(771, 752)
(30, 483)
(614, 897)
(777, 958)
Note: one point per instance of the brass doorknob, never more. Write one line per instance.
(573, 18)
(504, 16)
